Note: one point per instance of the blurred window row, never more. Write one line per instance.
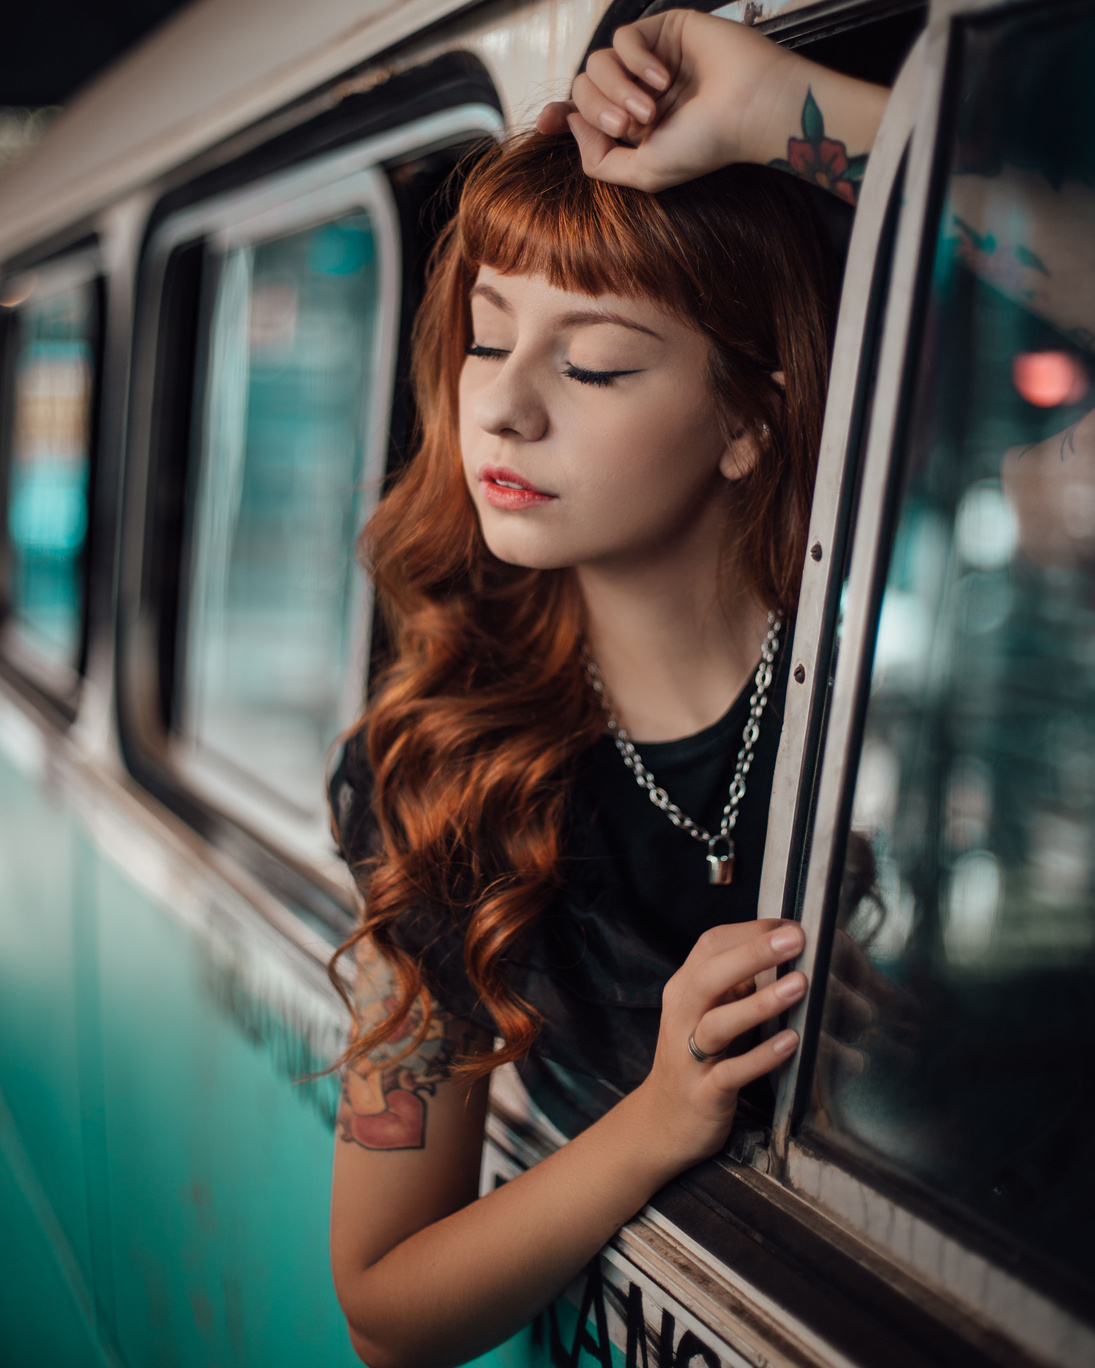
(273, 312)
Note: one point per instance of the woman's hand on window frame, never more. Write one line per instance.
(713, 999)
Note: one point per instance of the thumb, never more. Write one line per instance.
(553, 117)
(602, 157)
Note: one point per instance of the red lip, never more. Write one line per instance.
(504, 488)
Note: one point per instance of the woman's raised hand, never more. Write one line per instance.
(689, 91)
(682, 93)
(713, 999)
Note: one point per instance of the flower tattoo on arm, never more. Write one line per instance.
(384, 1098)
(820, 160)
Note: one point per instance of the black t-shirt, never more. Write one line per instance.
(634, 898)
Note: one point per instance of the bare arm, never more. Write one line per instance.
(429, 1276)
(691, 93)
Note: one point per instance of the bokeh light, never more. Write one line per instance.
(1049, 378)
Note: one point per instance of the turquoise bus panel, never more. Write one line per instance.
(217, 1168)
(39, 1026)
(128, 1054)
(43, 1318)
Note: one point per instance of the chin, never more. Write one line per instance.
(528, 558)
(515, 546)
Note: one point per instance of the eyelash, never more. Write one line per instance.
(584, 377)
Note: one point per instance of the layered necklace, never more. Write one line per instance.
(720, 845)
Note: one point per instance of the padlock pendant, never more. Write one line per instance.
(720, 868)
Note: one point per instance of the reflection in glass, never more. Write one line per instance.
(277, 505)
(48, 480)
(958, 1045)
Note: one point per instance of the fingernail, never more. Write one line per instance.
(784, 940)
(613, 122)
(658, 79)
(789, 988)
(785, 1042)
(640, 108)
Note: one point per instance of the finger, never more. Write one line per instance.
(604, 160)
(634, 46)
(593, 144)
(599, 111)
(733, 1074)
(605, 72)
(719, 1027)
(746, 988)
(716, 939)
(553, 117)
(718, 974)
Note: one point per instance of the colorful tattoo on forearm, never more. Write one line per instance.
(820, 160)
(384, 1104)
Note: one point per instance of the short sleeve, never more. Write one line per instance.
(429, 933)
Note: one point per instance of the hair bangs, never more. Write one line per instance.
(529, 209)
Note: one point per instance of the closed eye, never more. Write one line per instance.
(594, 377)
(572, 372)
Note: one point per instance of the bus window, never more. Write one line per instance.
(286, 416)
(958, 1043)
(265, 395)
(48, 439)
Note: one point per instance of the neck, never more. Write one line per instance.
(673, 651)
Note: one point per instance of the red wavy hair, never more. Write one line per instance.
(473, 727)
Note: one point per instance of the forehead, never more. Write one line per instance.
(534, 295)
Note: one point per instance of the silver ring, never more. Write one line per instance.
(701, 1056)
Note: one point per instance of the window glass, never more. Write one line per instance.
(48, 471)
(958, 1043)
(285, 419)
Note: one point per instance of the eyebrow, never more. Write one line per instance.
(578, 318)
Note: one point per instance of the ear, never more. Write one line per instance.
(744, 447)
(740, 455)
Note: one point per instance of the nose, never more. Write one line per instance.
(509, 405)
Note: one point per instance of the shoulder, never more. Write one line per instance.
(350, 793)
(385, 1093)
(426, 930)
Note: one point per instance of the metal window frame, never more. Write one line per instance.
(938, 1253)
(823, 573)
(310, 193)
(298, 200)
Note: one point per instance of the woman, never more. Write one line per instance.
(599, 539)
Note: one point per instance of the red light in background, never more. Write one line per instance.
(1049, 378)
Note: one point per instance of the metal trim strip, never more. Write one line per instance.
(821, 580)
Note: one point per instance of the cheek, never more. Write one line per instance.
(466, 426)
(656, 450)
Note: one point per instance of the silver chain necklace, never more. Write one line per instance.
(720, 863)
